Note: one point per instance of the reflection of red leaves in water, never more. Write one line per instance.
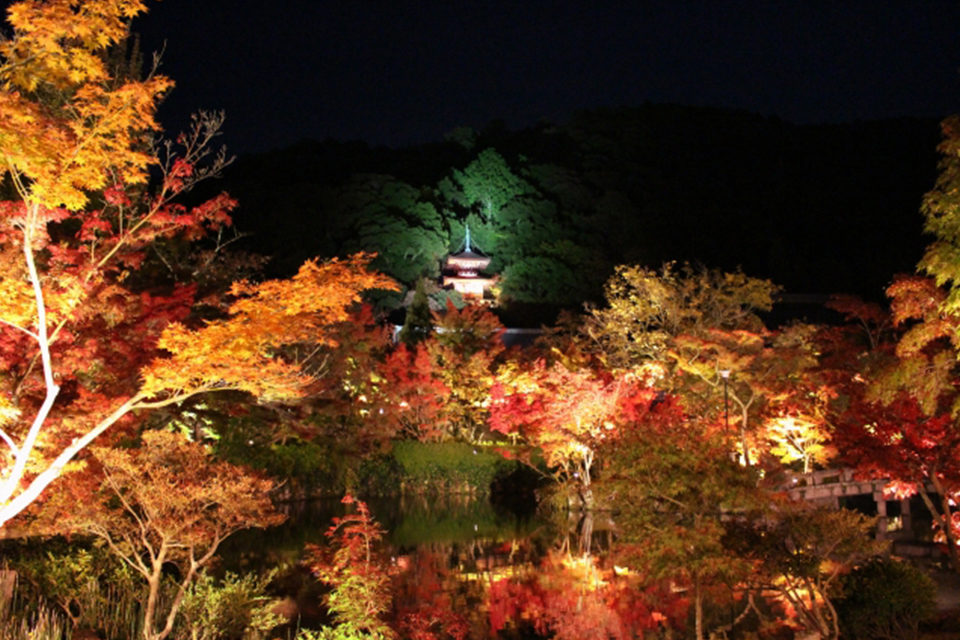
(558, 602)
(506, 600)
(424, 607)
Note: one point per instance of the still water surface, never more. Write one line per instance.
(444, 549)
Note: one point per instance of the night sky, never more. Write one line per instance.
(399, 73)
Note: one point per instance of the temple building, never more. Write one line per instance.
(462, 271)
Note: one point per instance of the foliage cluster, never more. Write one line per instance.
(84, 582)
(302, 467)
(360, 596)
(234, 607)
(84, 344)
(448, 466)
(165, 504)
(886, 600)
(90, 590)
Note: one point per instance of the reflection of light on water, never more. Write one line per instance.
(585, 570)
(497, 573)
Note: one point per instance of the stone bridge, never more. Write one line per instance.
(832, 486)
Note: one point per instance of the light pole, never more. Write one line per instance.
(725, 374)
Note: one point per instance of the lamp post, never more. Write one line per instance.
(725, 374)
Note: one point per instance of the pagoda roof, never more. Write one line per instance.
(469, 254)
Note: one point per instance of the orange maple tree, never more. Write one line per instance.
(465, 350)
(166, 504)
(75, 148)
(566, 412)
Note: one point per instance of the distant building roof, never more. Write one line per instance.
(462, 270)
(468, 258)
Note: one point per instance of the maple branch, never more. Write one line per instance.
(206, 127)
(154, 582)
(218, 248)
(163, 259)
(11, 507)
(123, 239)
(10, 443)
(104, 533)
(179, 397)
(751, 606)
(218, 537)
(944, 515)
(129, 509)
(121, 108)
(13, 64)
(18, 327)
(12, 481)
(667, 498)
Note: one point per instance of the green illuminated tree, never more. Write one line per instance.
(487, 183)
(531, 222)
(385, 215)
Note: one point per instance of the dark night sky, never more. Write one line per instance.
(400, 72)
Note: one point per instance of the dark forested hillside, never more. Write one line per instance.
(818, 209)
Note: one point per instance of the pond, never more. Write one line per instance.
(457, 562)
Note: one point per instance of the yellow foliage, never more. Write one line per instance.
(17, 305)
(798, 438)
(60, 148)
(8, 411)
(646, 309)
(240, 352)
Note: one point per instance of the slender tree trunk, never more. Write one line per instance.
(150, 611)
(22, 454)
(698, 607)
(586, 488)
(943, 516)
(745, 416)
(586, 532)
(834, 621)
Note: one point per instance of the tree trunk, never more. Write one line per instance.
(745, 415)
(586, 489)
(944, 518)
(586, 532)
(150, 611)
(697, 607)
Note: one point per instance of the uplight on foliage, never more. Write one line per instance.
(81, 304)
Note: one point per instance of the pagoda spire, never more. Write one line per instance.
(467, 240)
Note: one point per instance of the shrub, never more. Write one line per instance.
(310, 468)
(84, 582)
(438, 466)
(321, 467)
(232, 608)
(885, 600)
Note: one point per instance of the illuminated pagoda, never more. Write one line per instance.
(462, 270)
